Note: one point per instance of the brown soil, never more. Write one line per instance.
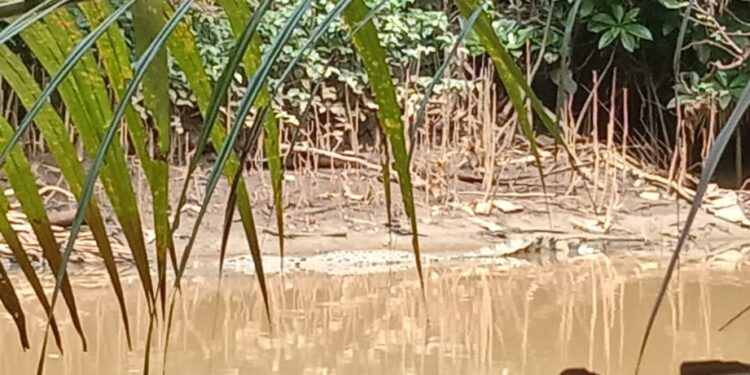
(344, 209)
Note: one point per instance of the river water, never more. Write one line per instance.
(472, 319)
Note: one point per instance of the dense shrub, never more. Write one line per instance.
(641, 34)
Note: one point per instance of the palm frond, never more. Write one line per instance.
(367, 43)
(140, 71)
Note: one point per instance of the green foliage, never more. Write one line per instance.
(618, 25)
(725, 87)
(419, 32)
(408, 34)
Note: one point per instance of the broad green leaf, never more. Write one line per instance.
(618, 12)
(598, 28)
(604, 19)
(639, 30)
(607, 38)
(632, 15)
(628, 41)
(367, 43)
(674, 4)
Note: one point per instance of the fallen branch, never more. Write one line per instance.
(292, 235)
(333, 155)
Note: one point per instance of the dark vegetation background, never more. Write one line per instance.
(630, 44)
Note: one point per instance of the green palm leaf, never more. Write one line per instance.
(189, 61)
(250, 140)
(66, 67)
(513, 81)
(87, 100)
(148, 20)
(237, 11)
(140, 70)
(14, 243)
(254, 87)
(218, 95)
(58, 142)
(61, 148)
(23, 182)
(367, 43)
(10, 301)
(30, 16)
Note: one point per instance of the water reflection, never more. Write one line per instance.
(477, 320)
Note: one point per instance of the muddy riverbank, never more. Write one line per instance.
(516, 283)
(340, 210)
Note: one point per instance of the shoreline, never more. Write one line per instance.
(345, 210)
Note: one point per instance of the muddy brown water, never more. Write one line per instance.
(477, 319)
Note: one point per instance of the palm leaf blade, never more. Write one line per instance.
(63, 151)
(9, 299)
(367, 44)
(252, 59)
(19, 255)
(86, 98)
(107, 140)
(21, 179)
(254, 88)
(200, 84)
(32, 14)
(148, 20)
(217, 96)
(709, 167)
